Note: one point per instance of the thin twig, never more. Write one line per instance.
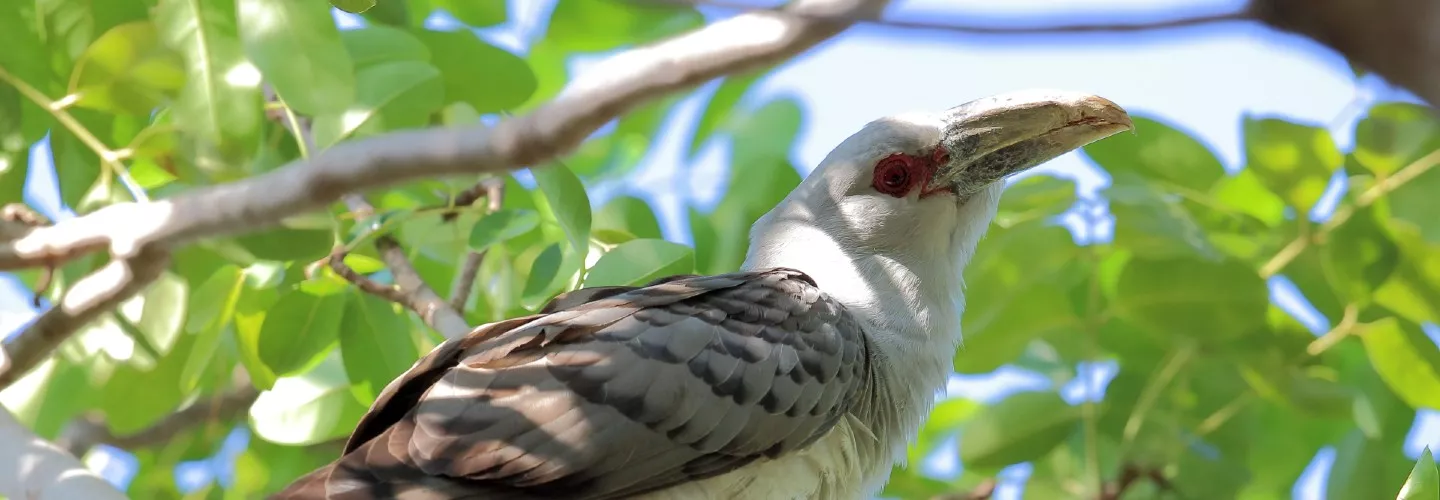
(412, 291)
(109, 158)
(90, 430)
(985, 29)
(367, 285)
(1335, 335)
(494, 193)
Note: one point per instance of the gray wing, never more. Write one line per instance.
(611, 392)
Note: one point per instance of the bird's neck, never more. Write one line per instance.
(911, 311)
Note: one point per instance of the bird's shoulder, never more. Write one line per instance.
(707, 373)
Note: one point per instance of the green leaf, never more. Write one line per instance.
(301, 327)
(1415, 204)
(601, 25)
(475, 13)
(135, 398)
(286, 244)
(1019, 269)
(1022, 427)
(380, 44)
(212, 309)
(1294, 160)
(706, 241)
(375, 344)
(1245, 193)
(1413, 290)
(542, 274)
(1158, 151)
(567, 201)
(353, 6)
(720, 107)
(944, 421)
(1148, 224)
(763, 136)
(1359, 257)
(388, 96)
(127, 70)
(218, 108)
(298, 50)
(639, 261)
(1207, 301)
(630, 215)
(486, 77)
(1406, 359)
(1424, 480)
(1393, 135)
(25, 55)
(501, 226)
(1035, 197)
(14, 149)
(1365, 468)
(307, 408)
(161, 310)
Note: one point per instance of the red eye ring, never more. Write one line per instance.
(894, 175)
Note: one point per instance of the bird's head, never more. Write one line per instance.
(919, 190)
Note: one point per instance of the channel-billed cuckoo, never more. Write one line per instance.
(803, 375)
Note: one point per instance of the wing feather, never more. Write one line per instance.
(610, 392)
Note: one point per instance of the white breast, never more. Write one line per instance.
(832, 468)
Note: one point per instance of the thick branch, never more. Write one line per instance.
(33, 469)
(738, 44)
(95, 294)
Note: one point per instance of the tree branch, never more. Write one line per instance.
(410, 289)
(994, 30)
(89, 431)
(493, 190)
(33, 469)
(95, 294)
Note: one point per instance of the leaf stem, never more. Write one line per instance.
(109, 158)
(1341, 330)
(1151, 393)
(1342, 214)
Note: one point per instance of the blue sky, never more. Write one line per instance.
(1202, 79)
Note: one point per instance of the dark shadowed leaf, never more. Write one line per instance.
(1019, 428)
(301, 327)
(1406, 359)
(285, 243)
(1415, 203)
(308, 408)
(542, 274)
(1424, 480)
(375, 344)
(1158, 151)
(298, 50)
(1292, 159)
(501, 226)
(1208, 301)
(1413, 290)
(638, 261)
(162, 313)
(484, 76)
(129, 69)
(388, 96)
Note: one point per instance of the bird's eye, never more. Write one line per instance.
(894, 175)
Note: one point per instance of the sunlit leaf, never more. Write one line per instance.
(219, 107)
(1022, 427)
(1413, 290)
(638, 261)
(1035, 197)
(1292, 159)
(1406, 359)
(1394, 134)
(380, 44)
(388, 96)
(353, 6)
(298, 50)
(375, 344)
(211, 311)
(1206, 301)
(720, 107)
(1424, 480)
(598, 25)
(628, 214)
(129, 69)
(1158, 151)
(1019, 268)
(567, 200)
(307, 408)
(1415, 203)
(1149, 224)
(1359, 257)
(475, 13)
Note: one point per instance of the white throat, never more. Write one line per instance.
(910, 302)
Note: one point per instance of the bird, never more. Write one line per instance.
(804, 374)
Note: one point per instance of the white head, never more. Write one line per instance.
(888, 221)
